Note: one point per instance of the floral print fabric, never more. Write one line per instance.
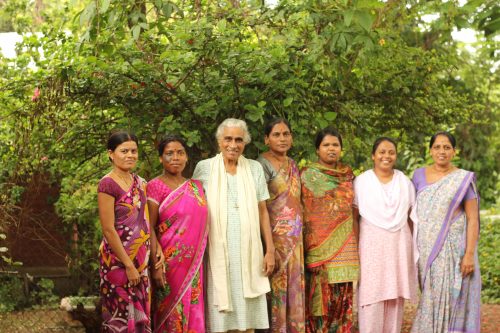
(126, 308)
(287, 299)
(182, 233)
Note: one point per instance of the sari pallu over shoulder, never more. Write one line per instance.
(182, 232)
(327, 196)
(465, 296)
(331, 254)
(126, 308)
(285, 213)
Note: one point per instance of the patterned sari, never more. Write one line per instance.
(449, 303)
(331, 253)
(287, 283)
(182, 231)
(126, 308)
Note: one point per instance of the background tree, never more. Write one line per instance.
(368, 67)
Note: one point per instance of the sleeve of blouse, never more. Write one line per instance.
(268, 168)
(415, 179)
(260, 180)
(153, 191)
(471, 194)
(107, 185)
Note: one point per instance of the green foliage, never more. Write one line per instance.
(488, 256)
(43, 294)
(368, 67)
(12, 295)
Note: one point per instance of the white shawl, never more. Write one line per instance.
(255, 283)
(376, 206)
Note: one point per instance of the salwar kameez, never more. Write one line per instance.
(387, 265)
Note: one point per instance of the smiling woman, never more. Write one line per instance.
(383, 199)
(238, 268)
(447, 211)
(124, 251)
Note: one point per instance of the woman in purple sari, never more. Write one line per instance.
(179, 225)
(446, 216)
(124, 251)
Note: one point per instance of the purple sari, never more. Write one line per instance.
(449, 302)
(126, 308)
(182, 231)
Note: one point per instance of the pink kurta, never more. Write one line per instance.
(387, 269)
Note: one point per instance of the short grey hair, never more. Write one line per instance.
(233, 122)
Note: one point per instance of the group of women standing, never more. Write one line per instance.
(257, 245)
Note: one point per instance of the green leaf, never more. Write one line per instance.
(371, 4)
(330, 116)
(365, 19)
(287, 101)
(136, 31)
(105, 6)
(348, 15)
(322, 122)
(167, 10)
(88, 14)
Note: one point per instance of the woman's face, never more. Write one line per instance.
(385, 156)
(174, 158)
(442, 152)
(231, 143)
(329, 150)
(280, 139)
(125, 156)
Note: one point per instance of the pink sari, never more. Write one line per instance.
(182, 231)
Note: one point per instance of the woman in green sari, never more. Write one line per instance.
(331, 254)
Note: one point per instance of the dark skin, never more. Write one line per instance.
(174, 160)
(124, 159)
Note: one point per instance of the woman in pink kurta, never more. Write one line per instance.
(383, 199)
(179, 226)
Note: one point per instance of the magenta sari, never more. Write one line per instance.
(182, 231)
(126, 308)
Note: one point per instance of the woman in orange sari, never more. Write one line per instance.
(179, 225)
(331, 253)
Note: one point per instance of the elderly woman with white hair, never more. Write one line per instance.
(238, 266)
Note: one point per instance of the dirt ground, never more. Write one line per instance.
(52, 321)
(490, 318)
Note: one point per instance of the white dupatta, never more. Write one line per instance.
(376, 206)
(255, 283)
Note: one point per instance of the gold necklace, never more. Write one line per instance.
(280, 163)
(125, 181)
(173, 183)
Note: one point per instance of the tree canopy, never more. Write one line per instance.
(367, 67)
